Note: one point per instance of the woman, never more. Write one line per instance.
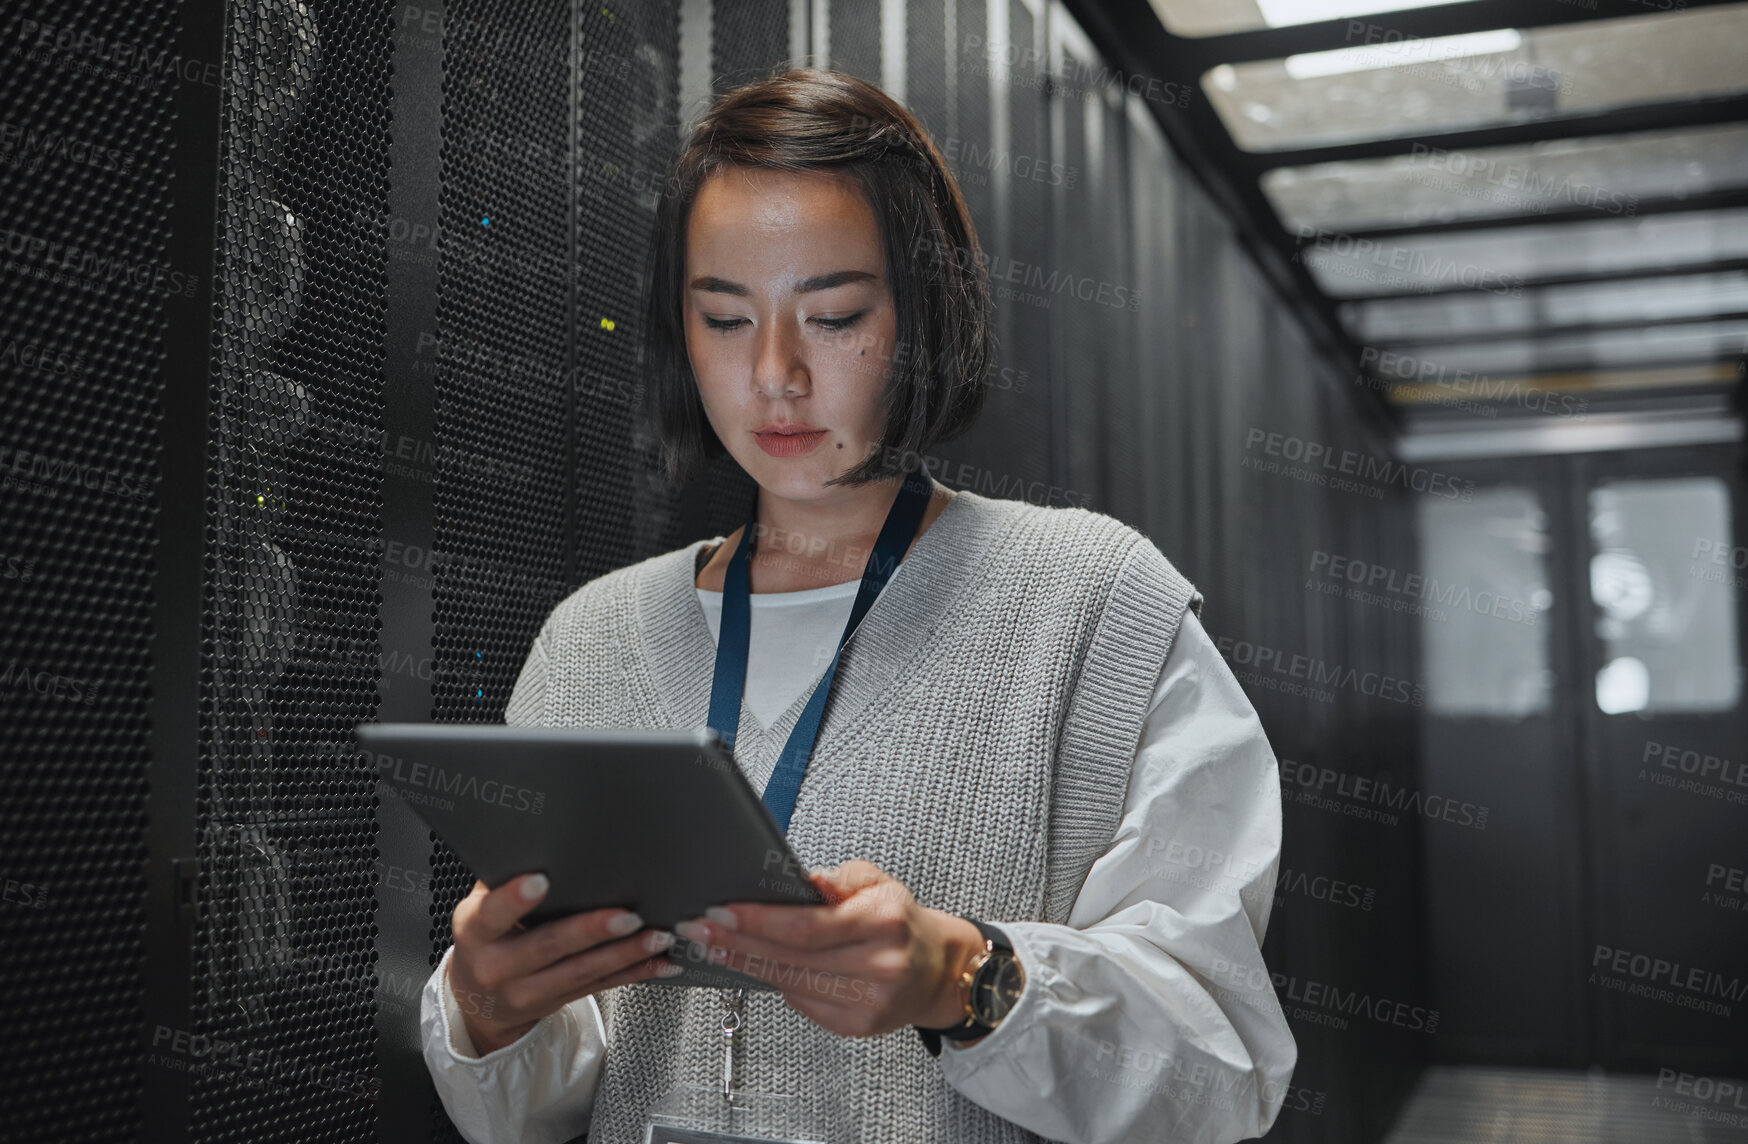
(1044, 816)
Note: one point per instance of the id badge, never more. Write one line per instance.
(694, 1114)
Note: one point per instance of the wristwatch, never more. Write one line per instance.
(990, 987)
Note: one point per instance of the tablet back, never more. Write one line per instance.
(660, 822)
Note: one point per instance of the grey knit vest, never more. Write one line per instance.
(976, 746)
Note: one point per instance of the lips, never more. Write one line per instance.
(788, 439)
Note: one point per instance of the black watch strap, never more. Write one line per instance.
(968, 1029)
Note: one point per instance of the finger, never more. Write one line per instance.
(854, 875)
(581, 973)
(827, 1012)
(782, 973)
(493, 913)
(827, 887)
(843, 959)
(649, 967)
(835, 981)
(523, 954)
(802, 927)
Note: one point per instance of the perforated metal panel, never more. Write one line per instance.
(283, 971)
(85, 122)
(853, 37)
(503, 356)
(548, 193)
(746, 42)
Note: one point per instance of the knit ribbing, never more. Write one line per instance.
(976, 746)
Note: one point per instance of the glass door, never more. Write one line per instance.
(1665, 745)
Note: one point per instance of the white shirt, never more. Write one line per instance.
(1148, 1016)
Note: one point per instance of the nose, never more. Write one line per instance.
(779, 370)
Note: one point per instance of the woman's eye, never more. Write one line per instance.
(730, 324)
(840, 323)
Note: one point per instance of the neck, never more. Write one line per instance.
(816, 542)
(822, 530)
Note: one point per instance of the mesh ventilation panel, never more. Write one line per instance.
(84, 179)
(747, 42)
(283, 964)
(503, 331)
(627, 101)
(853, 32)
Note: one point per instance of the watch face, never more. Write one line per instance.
(996, 988)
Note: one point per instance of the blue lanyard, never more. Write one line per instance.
(735, 633)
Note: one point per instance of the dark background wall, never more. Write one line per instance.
(392, 426)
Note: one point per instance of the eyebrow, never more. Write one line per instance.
(713, 285)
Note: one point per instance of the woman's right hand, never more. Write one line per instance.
(506, 977)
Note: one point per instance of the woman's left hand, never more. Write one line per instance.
(869, 961)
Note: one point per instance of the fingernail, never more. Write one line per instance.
(622, 924)
(658, 941)
(534, 886)
(722, 916)
(693, 931)
(669, 969)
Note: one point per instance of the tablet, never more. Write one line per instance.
(660, 822)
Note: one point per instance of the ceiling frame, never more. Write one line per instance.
(1131, 35)
(1600, 277)
(1571, 329)
(1425, 23)
(1653, 117)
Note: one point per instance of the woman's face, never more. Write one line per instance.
(790, 324)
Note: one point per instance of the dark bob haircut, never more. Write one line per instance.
(811, 120)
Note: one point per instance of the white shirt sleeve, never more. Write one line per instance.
(539, 1090)
(1150, 1014)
